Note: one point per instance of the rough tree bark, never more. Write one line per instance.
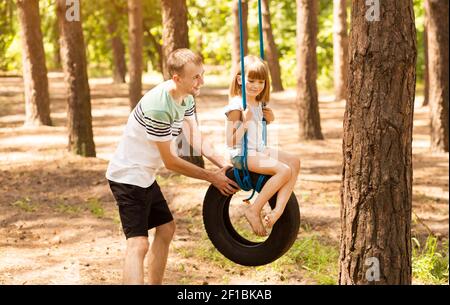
(37, 98)
(376, 189)
(118, 47)
(175, 29)
(136, 38)
(73, 56)
(175, 36)
(307, 96)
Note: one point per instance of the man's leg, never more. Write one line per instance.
(133, 270)
(157, 256)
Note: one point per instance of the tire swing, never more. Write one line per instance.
(216, 217)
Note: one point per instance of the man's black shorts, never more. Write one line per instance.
(140, 209)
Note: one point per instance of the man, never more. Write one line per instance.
(146, 144)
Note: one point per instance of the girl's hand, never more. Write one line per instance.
(268, 114)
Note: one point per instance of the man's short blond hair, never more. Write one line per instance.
(179, 58)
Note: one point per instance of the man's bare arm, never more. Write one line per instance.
(202, 144)
(176, 164)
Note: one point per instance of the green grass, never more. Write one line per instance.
(240, 228)
(311, 254)
(67, 209)
(206, 251)
(430, 262)
(25, 204)
(308, 254)
(95, 207)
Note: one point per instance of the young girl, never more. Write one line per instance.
(283, 167)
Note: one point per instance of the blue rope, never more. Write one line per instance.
(261, 38)
(261, 53)
(246, 183)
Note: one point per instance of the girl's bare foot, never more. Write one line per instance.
(254, 219)
(272, 218)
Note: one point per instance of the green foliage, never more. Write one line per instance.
(9, 43)
(97, 17)
(419, 13)
(325, 45)
(283, 20)
(210, 30)
(50, 33)
(210, 34)
(429, 264)
(152, 34)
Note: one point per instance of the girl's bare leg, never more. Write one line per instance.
(285, 192)
(280, 172)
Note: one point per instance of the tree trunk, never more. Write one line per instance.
(37, 99)
(340, 48)
(118, 49)
(307, 97)
(376, 189)
(56, 46)
(175, 29)
(135, 33)
(426, 84)
(176, 36)
(437, 36)
(73, 56)
(271, 50)
(236, 53)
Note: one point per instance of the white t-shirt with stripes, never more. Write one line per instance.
(156, 118)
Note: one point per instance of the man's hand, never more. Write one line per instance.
(224, 184)
(268, 114)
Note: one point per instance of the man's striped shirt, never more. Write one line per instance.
(156, 118)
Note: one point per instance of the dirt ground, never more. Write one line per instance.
(58, 219)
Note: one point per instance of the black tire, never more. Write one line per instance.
(238, 249)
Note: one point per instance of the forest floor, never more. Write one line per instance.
(59, 223)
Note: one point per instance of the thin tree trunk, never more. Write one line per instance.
(307, 97)
(118, 49)
(135, 33)
(376, 189)
(37, 99)
(271, 50)
(426, 84)
(56, 46)
(175, 29)
(175, 36)
(340, 48)
(437, 36)
(73, 56)
(236, 53)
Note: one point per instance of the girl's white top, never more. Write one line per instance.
(254, 130)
